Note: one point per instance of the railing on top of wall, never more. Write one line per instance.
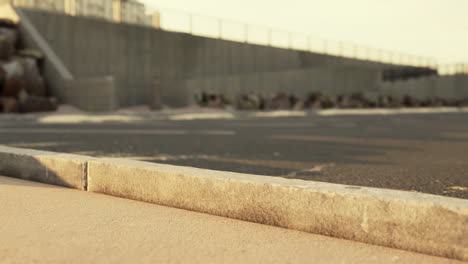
(171, 20)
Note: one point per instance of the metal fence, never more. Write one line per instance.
(173, 20)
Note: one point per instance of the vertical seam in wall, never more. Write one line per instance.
(85, 183)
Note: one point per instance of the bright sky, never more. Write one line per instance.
(435, 28)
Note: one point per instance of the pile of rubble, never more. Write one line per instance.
(22, 88)
(317, 100)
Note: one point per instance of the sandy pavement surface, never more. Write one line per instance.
(46, 224)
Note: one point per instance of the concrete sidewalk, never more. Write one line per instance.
(42, 223)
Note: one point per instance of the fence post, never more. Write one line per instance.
(290, 40)
(70, 7)
(190, 24)
(325, 46)
(246, 33)
(117, 11)
(157, 20)
(220, 25)
(340, 47)
(269, 37)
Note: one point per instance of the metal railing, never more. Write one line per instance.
(201, 25)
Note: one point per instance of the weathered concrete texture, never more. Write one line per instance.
(137, 55)
(411, 221)
(92, 94)
(450, 87)
(332, 80)
(42, 166)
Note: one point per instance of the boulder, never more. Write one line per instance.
(31, 53)
(9, 105)
(33, 82)
(327, 102)
(7, 23)
(8, 39)
(6, 48)
(12, 87)
(247, 102)
(13, 68)
(38, 104)
(313, 100)
(280, 102)
(409, 101)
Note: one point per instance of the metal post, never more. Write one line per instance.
(190, 24)
(117, 11)
(246, 33)
(157, 20)
(340, 47)
(220, 25)
(270, 42)
(290, 40)
(70, 7)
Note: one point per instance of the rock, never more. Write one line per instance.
(299, 105)
(11, 35)
(31, 53)
(394, 102)
(327, 102)
(38, 104)
(245, 103)
(215, 102)
(2, 79)
(313, 100)
(8, 39)
(357, 100)
(293, 100)
(280, 102)
(35, 87)
(343, 101)
(7, 23)
(463, 102)
(9, 105)
(12, 87)
(249, 102)
(33, 82)
(6, 48)
(13, 68)
(409, 101)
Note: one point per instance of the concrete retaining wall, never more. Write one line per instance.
(137, 55)
(328, 80)
(149, 64)
(92, 94)
(449, 87)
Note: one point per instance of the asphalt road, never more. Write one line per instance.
(423, 153)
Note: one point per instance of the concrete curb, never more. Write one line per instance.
(47, 167)
(417, 222)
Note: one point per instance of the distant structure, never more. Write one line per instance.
(103, 54)
(125, 11)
